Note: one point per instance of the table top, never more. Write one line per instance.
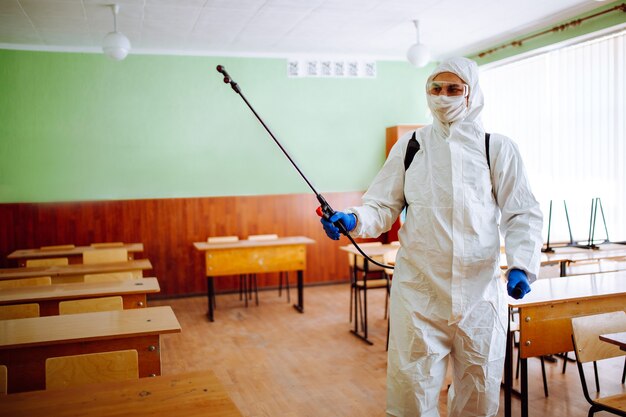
(241, 244)
(370, 250)
(574, 254)
(572, 288)
(76, 290)
(74, 269)
(618, 339)
(78, 250)
(198, 394)
(19, 333)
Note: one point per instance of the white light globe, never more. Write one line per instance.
(115, 45)
(418, 55)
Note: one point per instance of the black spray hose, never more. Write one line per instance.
(325, 210)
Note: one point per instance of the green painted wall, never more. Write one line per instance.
(81, 127)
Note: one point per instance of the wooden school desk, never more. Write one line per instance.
(545, 319)
(618, 339)
(25, 344)
(372, 252)
(198, 394)
(132, 291)
(65, 273)
(254, 257)
(74, 255)
(568, 254)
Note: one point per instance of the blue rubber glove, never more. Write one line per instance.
(332, 231)
(518, 285)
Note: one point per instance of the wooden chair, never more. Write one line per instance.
(19, 311)
(3, 379)
(24, 282)
(47, 262)
(110, 277)
(91, 305)
(582, 267)
(589, 348)
(57, 247)
(614, 264)
(100, 256)
(389, 258)
(356, 264)
(67, 371)
(242, 278)
(222, 239)
(104, 245)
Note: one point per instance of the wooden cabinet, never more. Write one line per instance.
(392, 135)
(394, 132)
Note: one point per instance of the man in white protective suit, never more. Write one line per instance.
(447, 297)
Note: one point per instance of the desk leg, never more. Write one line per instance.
(563, 265)
(363, 317)
(210, 293)
(508, 372)
(355, 296)
(300, 305)
(365, 306)
(524, 386)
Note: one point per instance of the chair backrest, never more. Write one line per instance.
(222, 239)
(47, 262)
(583, 267)
(19, 311)
(67, 371)
(91, 305)
(359, 258)
(586, 333)
(263, 237)
(615, 264)
(110, 277)
(104, 245)
(24, 282)
(57, 247)
(100, 256)
(390, 256)
(3, 379)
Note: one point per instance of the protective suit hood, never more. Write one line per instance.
(467, 70)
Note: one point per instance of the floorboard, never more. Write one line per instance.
(274, 361)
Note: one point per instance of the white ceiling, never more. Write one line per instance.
(375, 28)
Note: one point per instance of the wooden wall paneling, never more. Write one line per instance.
(168, 227)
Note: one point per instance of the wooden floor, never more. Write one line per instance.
(274, 361)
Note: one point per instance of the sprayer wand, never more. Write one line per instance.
(324, 210)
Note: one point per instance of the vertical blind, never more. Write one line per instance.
(566, 110)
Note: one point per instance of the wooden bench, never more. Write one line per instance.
(25, 344)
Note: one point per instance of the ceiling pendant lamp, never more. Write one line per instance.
(115, 45)
(418, 54)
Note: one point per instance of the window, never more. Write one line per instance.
(566, 109)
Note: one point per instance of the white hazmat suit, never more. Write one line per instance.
(447, 297)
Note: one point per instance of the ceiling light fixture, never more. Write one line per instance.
(115, 45)
(418, 54)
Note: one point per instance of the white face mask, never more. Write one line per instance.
(447, 109)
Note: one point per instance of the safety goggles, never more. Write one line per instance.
(447, 88)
